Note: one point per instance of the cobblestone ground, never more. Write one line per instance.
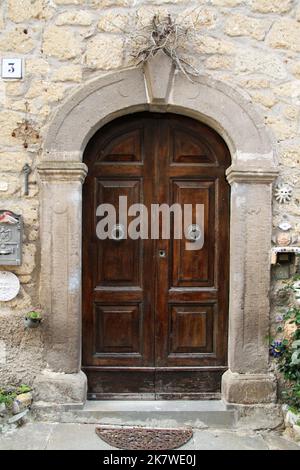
(60, 436)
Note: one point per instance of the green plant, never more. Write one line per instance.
(289, 360)
(34, 315)
(291, 396)
(24, 388)
(9, 393)
(287, 349)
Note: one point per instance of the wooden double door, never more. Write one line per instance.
(155, 313)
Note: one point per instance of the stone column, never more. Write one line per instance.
(247, 381)
(60, 232)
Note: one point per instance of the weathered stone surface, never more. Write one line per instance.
(104, 52)
(110, 3)
(285, 34)
(267, 99)
(254, 61)
(76, 17)
(69, 2)
(277, 442)
(60, 185)
(20, 11)
(112, 22)
(49, 92)
(16, 41)
(144, 15)
(13, 161)
(219, 62)
(28, 260)
(61, 43)
(290, 156)
(289, 89)
(259, 417)
(1, 18)
(296, 69)
(8, 122)
(68, 73)
(271, 6)
(291, 112)
(10, 185)
(213, 45)
(159, 87)
(36, 66)
(281, 128)
(226, 3)
(241, 25)
(248, 388)
(58, 388)
(253, 83)
(198, 19)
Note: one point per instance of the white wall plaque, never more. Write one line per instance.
(11, 68)
(9, 286)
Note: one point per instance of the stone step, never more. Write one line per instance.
(200, 414)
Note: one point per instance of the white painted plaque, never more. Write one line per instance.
(9, 286)
(11, 68)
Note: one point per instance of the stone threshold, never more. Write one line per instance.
(196, 413)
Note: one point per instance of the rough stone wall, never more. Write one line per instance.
(253, 45)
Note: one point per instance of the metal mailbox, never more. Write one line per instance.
(11, 228)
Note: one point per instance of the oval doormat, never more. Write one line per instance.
(134, 438)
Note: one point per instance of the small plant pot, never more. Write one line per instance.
(32, 322)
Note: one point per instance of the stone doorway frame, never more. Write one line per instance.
(157, 87)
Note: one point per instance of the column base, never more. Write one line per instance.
(60, 388)
(248, 389)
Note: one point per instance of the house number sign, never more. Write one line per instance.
(11, 68)
(9, 286)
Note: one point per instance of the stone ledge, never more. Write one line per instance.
(238, 174)
(60, 388)
(62, 171)
(258, 417)
(248, 389)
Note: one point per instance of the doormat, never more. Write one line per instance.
(134, 438)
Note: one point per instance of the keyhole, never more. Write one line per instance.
(162, 253)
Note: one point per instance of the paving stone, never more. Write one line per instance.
(277, 442)
(68, 436)
(31, 436)
(217, 440)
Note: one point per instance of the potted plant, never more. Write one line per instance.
(33, 319)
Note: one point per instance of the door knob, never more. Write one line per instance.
(194, 232)
(118, 232)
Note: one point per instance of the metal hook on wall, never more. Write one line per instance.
(26, 170)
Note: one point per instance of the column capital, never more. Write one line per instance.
(259, 175)
(68, 171)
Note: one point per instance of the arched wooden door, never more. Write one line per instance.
(154, 313)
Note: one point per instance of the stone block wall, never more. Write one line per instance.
(253, 45)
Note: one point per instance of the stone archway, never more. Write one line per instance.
(157, 88)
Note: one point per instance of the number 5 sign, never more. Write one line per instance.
(11, 68)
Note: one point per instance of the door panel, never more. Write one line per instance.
(195, 268)
(119, 263)
(191, 329)
(118, 329)
(156, 326)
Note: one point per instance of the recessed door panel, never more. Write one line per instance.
(119, 262)
(118, 329)
(195, 267)
(191, 329)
